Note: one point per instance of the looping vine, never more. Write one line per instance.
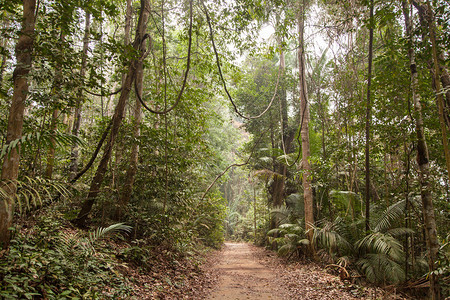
(188, 65)
(211, 33)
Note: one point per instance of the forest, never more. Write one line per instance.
(138, 136)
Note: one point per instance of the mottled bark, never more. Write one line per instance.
(10, 167)
(304, 111)
(423, 162)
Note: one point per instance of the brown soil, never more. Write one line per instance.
(242, 276)
(248, 272)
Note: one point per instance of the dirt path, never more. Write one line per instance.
(242, 276)
(249, 272)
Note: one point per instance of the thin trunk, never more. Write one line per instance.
(407, 204)
(368, 120)
(79, 102)
(125, 196)
(127, 30)
(4, 44)
(304, 111)
(10, 168)
(280, 175)
(51, 150)
(116, 121)
(54, 121)
(423, 162)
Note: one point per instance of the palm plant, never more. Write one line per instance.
(35, 192)
(290, 238)
(379, 255)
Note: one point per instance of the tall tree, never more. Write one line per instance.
(304, 112)
(79, 100)
(422, 159)
(10, 168)
(368, 119)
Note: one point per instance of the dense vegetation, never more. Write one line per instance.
(316, 128)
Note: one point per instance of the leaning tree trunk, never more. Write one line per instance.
(79, 102)
(304, 111)
(423, 162)
(116, 120)
(10, 168)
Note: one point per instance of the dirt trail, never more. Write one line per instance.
(248, 272)
(243, 277)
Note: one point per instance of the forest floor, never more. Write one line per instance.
(248, 272)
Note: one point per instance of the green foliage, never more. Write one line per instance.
(34, 192)
(44, 261)
(289, 239)
(44, 140)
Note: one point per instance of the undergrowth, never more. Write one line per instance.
(49, 259)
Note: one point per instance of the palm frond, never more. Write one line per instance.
(393, 213)
(280, 213)
(379, 267)
(286, 249)
(46, 139)
(332, 236)
(399, 231)
(381, 243)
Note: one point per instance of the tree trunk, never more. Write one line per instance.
(134, 156)
(125, 195)
(427, 22)
(304, 111)
(368, 120)
(117, 119)
(51, 150)
(10, 168)
(280, 168)
(79, 102)
(423, 162)
(4, 44)
(437, 81)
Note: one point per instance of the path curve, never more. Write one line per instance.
(243, 277)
